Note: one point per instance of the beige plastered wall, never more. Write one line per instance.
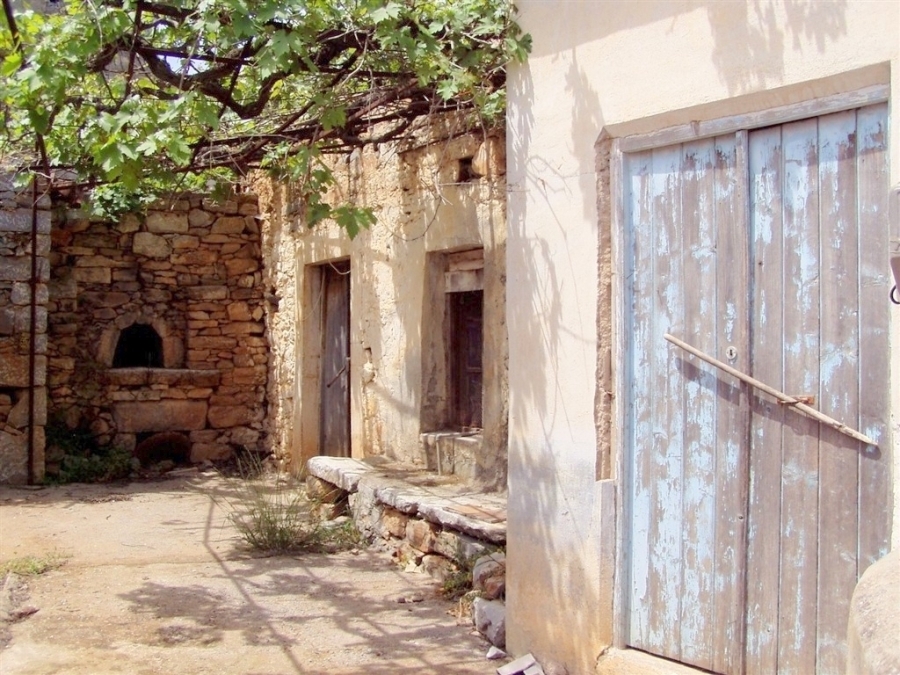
(614, 69)
(423, 210)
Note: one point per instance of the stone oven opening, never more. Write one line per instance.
(139, 346)
(153, 448)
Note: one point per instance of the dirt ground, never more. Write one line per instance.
(157, 581)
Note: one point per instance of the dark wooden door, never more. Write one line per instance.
(466, 342)
(334, 415)
(750, 523)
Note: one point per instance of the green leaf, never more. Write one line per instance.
(11, 64)
(390, 10)
(333, 118)
(40, 120)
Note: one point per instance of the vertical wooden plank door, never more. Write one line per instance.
(466, 372)
(334, 411)
(750, 524)
(687, 482)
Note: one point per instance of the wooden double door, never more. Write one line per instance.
(749, 523)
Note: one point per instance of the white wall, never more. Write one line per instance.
(626, 67)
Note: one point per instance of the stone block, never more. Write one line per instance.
(255, 375)
(239, 266)
(199, 218)
(129, 223)
(438, 567)
(14, 369)
(92, 275)
(245, 437)
(239, 311)
(15, 269)
(366, 510)
(151, 245)
(106, 299)
(223, 417)
(490, 620)
(200, 256)
(228, 225)
(19, 220)
(393, 523)
(212, 342)
(127, 377)
(243, 328)
(489, 576)
(154, 295)
(421, 535)
(95, 261)
(18, 416)
(13, 458)
(167, 221)
(206, 293)
(21, 294)
(458, 547)
(322, 491)
(160, 416)
(185, 242)
(7, 321)
(344, 472)
(130, 274)
(224, 206)
(201, 452)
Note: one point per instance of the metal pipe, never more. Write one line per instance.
(32, 338)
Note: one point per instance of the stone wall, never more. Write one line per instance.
(15, 332)
(190, 270)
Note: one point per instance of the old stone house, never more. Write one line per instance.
(720, 172)
(394, 344)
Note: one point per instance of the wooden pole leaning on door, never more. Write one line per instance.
(781, 396)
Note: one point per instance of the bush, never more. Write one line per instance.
(81, 459)
(274, 516)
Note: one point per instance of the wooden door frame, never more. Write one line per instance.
(309, 348)
(620, 147)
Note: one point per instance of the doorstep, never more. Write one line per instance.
(635, 662)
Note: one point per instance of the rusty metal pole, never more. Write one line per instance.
(32, 335)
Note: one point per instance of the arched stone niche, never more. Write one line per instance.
(172, 345)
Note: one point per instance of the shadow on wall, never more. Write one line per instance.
(552, 537)
(761, 35)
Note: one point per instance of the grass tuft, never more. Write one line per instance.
(274, 515)
(458, 583)
(32, 566)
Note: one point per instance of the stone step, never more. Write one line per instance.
(418, 493)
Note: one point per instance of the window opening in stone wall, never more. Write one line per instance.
(466, 340)
(139, 346)
(465, 173)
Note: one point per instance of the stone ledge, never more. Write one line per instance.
(419, 493)
(170, 376)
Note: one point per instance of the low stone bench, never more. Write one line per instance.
(423, 514)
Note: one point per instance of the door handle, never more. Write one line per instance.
(795, 403)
